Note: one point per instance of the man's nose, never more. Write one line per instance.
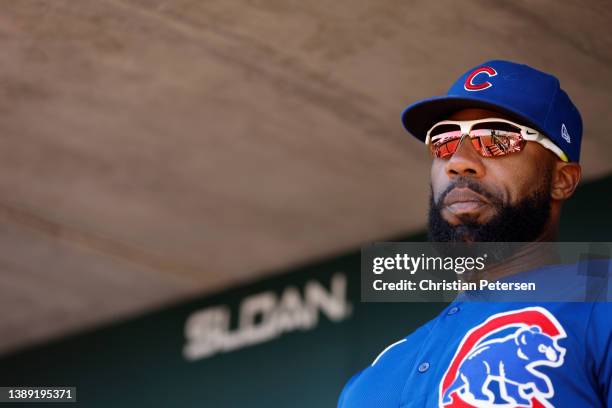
(465, 161)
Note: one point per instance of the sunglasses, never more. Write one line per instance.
(490, 137)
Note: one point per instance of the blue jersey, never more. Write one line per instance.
(495, 355)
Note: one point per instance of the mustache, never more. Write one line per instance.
(467, 182)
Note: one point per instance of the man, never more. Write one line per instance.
(505, 142)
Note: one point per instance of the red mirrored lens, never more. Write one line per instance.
(495, 143)
(443, 145)
(487, 142)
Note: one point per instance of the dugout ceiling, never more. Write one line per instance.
(157, 149)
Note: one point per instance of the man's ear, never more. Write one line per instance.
(566, 177)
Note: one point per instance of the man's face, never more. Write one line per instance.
(476, 198)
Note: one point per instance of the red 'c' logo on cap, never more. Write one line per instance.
(469, 81)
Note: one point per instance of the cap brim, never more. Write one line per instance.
(419, 117)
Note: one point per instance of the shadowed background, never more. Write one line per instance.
(156, 150)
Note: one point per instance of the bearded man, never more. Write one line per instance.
(505, 143)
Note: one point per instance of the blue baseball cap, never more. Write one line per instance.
(530, 97)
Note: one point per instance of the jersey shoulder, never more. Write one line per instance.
(380, 380)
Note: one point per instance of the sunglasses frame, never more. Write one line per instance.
(527, 133)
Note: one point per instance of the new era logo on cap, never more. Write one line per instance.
(525, 94)
(564, 134)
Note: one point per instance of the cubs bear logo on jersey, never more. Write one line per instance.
(496, 363)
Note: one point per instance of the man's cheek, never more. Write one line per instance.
(437, 193)
(439, 182)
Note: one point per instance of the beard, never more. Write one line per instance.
(523, 221)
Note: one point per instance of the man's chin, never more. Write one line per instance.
(521, 222)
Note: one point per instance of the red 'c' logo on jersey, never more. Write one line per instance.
(469, 84)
